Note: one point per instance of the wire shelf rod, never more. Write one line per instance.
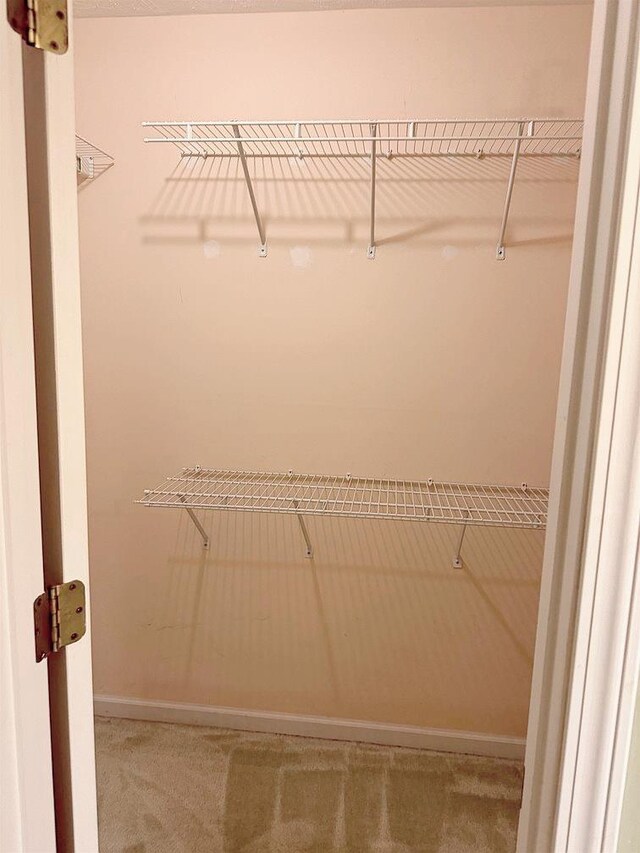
(301, 140)
(317, 155)
(343, 122)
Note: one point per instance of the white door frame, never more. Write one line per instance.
(49, 112)
(586, 657)
(607, 645)
(57, 333)
(26, 781)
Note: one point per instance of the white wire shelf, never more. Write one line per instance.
(353, 138)
(91, 161)
(351, 497)
(514, 138)
(355, 497)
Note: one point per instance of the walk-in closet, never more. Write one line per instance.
(324, 255)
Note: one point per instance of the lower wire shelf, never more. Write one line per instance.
(351, 497)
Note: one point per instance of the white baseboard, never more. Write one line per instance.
(387, 734)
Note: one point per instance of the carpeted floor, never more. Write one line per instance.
(187, 789)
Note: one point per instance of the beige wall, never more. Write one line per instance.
(433, 360)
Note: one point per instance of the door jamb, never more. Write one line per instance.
(53, 222)
(27, 820)
(570, 603)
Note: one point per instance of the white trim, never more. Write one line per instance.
(130, 8)
(27, 819)
(551, 758)
(329, 728)
(605, 667)
(57, 333)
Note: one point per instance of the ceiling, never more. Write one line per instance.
(126, 8)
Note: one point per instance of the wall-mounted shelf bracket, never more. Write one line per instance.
(500, 251)
(85, 166)
(457, 557)
(371, 250)
(199, 527)
(305, 532)
(91, 161)
(262, 250)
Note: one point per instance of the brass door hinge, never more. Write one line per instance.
(41, 23)
(59, 618)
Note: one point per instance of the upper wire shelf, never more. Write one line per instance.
(91, 161)
(538, 137)
(394, 138)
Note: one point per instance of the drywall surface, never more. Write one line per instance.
(434, 360)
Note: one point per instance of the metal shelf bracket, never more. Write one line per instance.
(262, 250)
(457, 557)
(500, 250)
(199, 527)
(91, 161)
(371, 250)
(305, 532)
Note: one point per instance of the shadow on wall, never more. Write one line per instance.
(379, 607)
(327, 201)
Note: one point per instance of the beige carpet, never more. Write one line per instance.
(187, 788)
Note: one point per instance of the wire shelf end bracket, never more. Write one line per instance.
(91, 161)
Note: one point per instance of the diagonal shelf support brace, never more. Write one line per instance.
(500, 250)
(262, 251)
(194, 518)
(457, 557)
(371, 251)
(305, 532)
